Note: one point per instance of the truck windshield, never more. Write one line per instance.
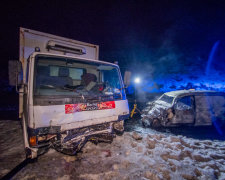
(167, 99)
(65, 76)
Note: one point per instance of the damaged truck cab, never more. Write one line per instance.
(66, 96)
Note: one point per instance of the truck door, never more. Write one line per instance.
(184, 110)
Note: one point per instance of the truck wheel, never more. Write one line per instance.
(118, 127)
(28, 153)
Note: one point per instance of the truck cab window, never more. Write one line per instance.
(110, 79)
(74, 73)
(55, 76)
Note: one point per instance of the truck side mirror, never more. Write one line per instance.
(15, 73)
(127, 77)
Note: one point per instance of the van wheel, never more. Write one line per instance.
(155, 123)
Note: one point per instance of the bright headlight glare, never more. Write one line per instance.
(137, 80)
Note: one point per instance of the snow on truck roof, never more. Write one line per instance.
(191, 92)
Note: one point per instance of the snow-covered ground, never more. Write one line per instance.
(11, 145)
(137, 154)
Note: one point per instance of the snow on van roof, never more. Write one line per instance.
(186, 92)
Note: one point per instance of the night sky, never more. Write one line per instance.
(160, 37)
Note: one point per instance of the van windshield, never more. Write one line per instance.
(167, 99)
(64, 76)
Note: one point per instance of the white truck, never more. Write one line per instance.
(66, 95)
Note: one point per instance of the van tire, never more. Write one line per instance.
(155, 123)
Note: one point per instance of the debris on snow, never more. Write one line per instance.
(136, 136)
(151, 175)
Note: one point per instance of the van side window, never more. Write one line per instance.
(183, 103)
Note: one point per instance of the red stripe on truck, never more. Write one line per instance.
(72, 108)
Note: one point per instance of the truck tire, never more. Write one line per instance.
(118, 128)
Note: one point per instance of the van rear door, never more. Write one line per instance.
(210, 109)
(203, 110)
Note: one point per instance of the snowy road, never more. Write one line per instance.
(11, 145)
(148, 154)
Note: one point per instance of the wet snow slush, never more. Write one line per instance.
(140, 153)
